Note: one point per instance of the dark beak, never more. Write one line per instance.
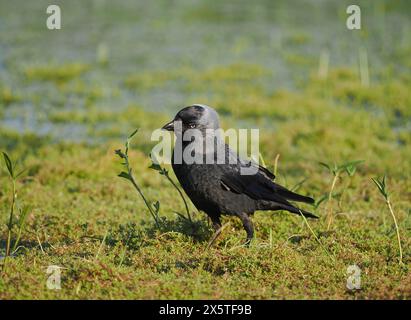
(169, 126)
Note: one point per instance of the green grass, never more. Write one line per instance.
(77, 199)
(64, 111)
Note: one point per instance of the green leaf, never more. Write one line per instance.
(381, 186)
(133, 134)
(321, 200)
(20, 173)
(23, 214)
(298, 185)
(325, 165)
(155, 166)
(156, 205)
(350, 167)
(130, 137)
(351, 170)
(181, 215)
(120, 153)
(377, 183)
(124, 175)
(155, 163)
(9, 164)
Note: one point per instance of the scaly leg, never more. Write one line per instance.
(248, 226)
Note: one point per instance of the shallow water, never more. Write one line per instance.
(285, 38)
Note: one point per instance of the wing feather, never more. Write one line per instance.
(260, 187)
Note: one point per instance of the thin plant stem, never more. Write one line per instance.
(396, 228)
(271, 238)
(129, 176)
(262, 159)
(133, 181)
(181, 195)
(381, 185)
(39, 242)
(364, 73)
(10, 223)
(277, 157)
(101, 245)
(16, 242)
(123, 253)
(330, 195)
(324, 63)
(315, 236)
(22, 217)
(216, 235)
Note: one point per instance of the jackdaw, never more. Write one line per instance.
(220, 187)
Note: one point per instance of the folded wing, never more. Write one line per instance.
(260, 187)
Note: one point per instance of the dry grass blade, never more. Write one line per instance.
(315, 236)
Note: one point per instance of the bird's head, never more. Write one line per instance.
(197, 116)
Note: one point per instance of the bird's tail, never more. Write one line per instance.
(289, 195)
(298, 211)
(270, 205)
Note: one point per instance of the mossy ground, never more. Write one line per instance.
(84, 109)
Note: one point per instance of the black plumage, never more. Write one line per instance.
(221, 188)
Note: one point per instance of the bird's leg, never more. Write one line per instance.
(248, 226)
(217, 228)
(216, 224)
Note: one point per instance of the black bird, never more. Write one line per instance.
(221, 188)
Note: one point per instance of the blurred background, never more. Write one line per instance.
(315, 89)
(110, 58)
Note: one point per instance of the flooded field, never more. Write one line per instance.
(161, 55)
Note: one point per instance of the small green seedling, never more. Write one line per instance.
(153, 208)
(337, 170)
(14, 220)
(383, 190)
(164, 172)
